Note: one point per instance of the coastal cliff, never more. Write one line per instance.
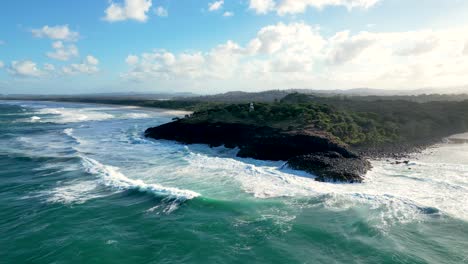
(328, 137)
(309, 150)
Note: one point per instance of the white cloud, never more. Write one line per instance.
(216, 5)
(130, 9)
(163, 64)
(161, 11)
(405, 59)
(2, 64)
(262, 6)
(29, 68)
(346, 48)
(283, 7)
(132, 60)
(24, 68)
(289, 38)
(228, 14)
(418, 47)
(56, 32)
(88, 66)
(91, 60)
(49, 67)
(299, 55)
(286, 43)
(63, 52)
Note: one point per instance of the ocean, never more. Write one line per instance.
(79, 183)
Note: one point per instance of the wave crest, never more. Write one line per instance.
(112, 177)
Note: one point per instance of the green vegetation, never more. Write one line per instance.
(405, 120)
(355, 120)
(351, 128)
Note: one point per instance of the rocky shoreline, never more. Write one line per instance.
(312, 151)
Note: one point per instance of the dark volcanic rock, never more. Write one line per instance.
(331, 166)
(311, 151)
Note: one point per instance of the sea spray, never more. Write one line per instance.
(112, 177)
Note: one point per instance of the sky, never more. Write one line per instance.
(98, 46)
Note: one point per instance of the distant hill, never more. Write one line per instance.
(239, 96)
(186, 99)
(363, 94)
(389, 92)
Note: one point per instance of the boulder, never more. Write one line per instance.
(332, 166)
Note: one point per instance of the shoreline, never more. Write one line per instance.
(389, 151)
(393, 150)
(153, 109)
(398, 150)
(317, 154)
(313, 152)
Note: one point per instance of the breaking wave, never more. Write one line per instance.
(71, 115)
(112, 177)
(384, 189)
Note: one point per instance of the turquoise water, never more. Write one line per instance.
(80, 184)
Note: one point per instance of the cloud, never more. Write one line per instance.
(262, 6)
(56, 33)
(300, 55)
(228, 14)
(215, 5)
(27, 68)
(49, 67)
(290, 38)
(24, 68)
(286, 43)
(132, 60)
(88, 66)
(2, 64)
(347, 48)
(163, 64)
(161, 11)
(284, 7)
(419, 47)
(63, 52)
(130, 9)
(2, 42)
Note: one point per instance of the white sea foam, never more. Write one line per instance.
(110, 242)
(73, 193)
(136, 115)
(112, 177)
(68, 132)
(72, 115)
(25, 140)
(35, 118)
(403, 192)
(78, 192)
(130, 107)
(438, 177)
(176, 112)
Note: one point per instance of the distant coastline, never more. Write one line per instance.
(362, 126)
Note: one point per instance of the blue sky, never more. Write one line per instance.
(55, 46)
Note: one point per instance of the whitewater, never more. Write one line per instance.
(80, 183)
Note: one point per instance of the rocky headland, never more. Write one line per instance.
(329, 137)
(312, 151)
